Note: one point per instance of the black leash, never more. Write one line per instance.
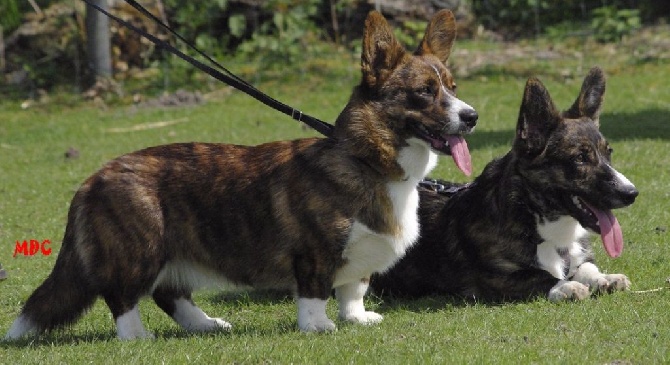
(226, 76)
(233, 80)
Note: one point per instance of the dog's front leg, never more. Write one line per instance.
(314, 288)
(350, 299)
(588, 274)
(312, 315)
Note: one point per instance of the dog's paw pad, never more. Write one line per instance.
(363, 317)
(569, 290)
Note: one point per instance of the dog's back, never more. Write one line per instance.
(307, 215)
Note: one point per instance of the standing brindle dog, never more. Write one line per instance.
(519, 229)
(307, 215)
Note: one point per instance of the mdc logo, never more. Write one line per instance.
(32, 247)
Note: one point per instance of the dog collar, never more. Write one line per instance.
(443, 188)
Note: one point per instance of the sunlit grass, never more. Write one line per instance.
(37, 183)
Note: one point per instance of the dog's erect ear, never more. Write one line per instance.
(381, 50)
(590, 98)
(439, 37)
(538, 117)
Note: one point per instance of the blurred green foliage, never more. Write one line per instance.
(410, 33)
(283, 32)
(285, 36)
(10, 17)
(610, 24)
(609, 19)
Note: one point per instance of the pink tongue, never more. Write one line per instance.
(610, 231)
(460, 153)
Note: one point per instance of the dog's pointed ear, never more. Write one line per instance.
(590, 99)
(538, 117)
(381, 50)
(439, 36)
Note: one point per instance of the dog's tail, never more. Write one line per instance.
(62, 298)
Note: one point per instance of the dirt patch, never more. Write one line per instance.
(179, 98)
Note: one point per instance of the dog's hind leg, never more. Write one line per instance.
(179, 305)
(123, 290)
(127, 317)
(129, 325)
(350, 298)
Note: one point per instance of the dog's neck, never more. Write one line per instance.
(514, 193)
(368, 138)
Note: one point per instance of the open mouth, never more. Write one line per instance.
(449, 144)
(600, 221)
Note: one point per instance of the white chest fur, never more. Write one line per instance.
(368, 251)
(560, 235)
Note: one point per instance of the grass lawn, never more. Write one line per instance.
(37, 183)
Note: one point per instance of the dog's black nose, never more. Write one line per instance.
(628, 195)
(469, 117)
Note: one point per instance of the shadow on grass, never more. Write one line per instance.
(240, 301)
(245, 298)
(247, 302)
(60, 337)
(438, 303)
(645, 124)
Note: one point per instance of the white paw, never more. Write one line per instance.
(221, 325)
(129, 326)
(136, 335)
(312, 316)
(362, 317)
(210, 325)
(588, 274)
(568, 290)
(604, 283)
(192, 318)
(352, 307)
(317, 325)
(614, 282)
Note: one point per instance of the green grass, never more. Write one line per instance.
(37, 183)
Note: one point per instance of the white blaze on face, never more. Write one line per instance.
(456, 106)
(452, 129)
(621, 180)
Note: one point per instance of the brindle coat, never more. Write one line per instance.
(305, 215)
(517, 231)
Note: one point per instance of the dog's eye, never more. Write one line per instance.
(427, 90)
(581, 158)
(454, 87)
